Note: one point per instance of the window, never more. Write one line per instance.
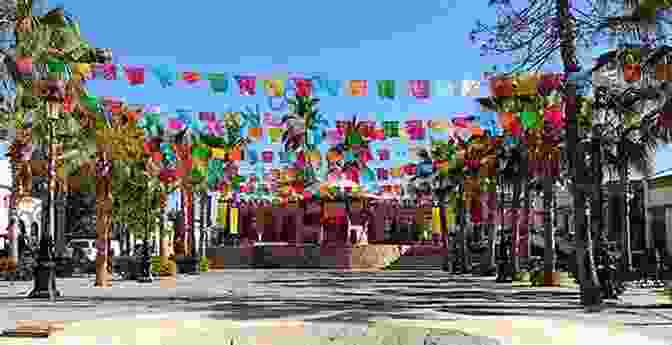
(79, 244)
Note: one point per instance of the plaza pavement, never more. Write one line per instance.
(233, 300)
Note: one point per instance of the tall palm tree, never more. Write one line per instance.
(631, 140)
(54, 35)
(303, 125)
(512, 165)
(590, 295)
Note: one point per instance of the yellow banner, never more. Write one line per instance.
(234, 220)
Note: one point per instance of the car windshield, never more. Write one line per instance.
(79, 244)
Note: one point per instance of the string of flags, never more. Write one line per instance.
(276, 85)
(268, 126)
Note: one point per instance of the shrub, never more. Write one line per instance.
(537, 278)
(156, 264)
(521, 277)
(168, 269)
(204, 265)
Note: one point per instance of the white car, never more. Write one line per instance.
(88, 247)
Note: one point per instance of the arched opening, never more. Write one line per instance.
(35, 232)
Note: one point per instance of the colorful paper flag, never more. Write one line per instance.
(471, 88)
(386, 89)
(274, 87)
(191, 77)
(219, 83)
(359, 88)
(247, 85)
(444, 88)
(135, 74)
(304, 87)
(419, 88)
(165, 74)
(326, 87)
(391, 129)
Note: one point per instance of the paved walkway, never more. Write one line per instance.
(336, 297)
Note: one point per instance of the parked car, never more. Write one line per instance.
(82, 249)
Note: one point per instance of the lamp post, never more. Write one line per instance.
(146, 271)
(45, 269)
(195, 259)
(504, 263)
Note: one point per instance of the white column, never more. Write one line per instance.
(156, 240)
(648, 238)
(132, 244)
(668, 230)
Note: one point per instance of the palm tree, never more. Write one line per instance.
(303, 124)
(52, 36)
(512, 165)
(628, 132)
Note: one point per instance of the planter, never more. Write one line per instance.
(521, 277)
(551, 278)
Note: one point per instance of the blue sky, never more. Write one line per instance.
(345, 39)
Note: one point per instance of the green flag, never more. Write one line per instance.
(385, 88)
(530, 119)
(391, 129)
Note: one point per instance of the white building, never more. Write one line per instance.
(29, 209)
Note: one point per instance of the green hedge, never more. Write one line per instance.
(204, 265)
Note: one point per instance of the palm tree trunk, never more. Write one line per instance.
(12, 211)
(488, 265)
(180, 242)
(515, 225)
(549, 239)
(444, 229)
(103, 224)
(462, 221)
(590, 295)
(625, 217)
(164, 242)
(201, 233)
(527, 219)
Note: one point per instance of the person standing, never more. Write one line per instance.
(22, 242)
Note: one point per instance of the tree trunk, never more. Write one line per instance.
(103, 224)
(444, 229)
(515, 225)
(526, 219)
(164, 241)
(625, 216)
(179, 243)
(202, 231)
(590, 296)
(12, 213)
(462, 221)
(489, 265)
(549, 236)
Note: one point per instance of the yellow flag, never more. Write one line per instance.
(275, 134)
(436, 220)
(274, 87)
(451, 217)
(81, 71)
(218, 153)
(234, 220)
(403, 135)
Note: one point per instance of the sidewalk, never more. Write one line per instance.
(462, 332)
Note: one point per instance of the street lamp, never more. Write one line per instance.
(45, 268)
(146, 271)
(195, 256)
(504, 264)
